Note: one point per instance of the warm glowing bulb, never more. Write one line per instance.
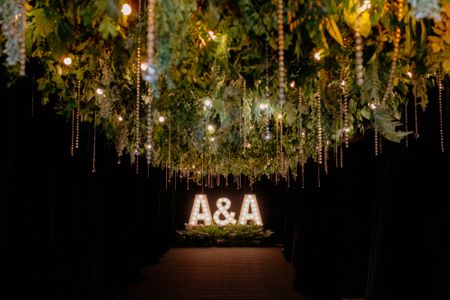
(346, 129)
(212, 139)
(212, 35)
(144, 66)
(409, 74)
(207, 103)
(280, 116)
(263, 106)
(372, 105)
(292, 84)
(99, 91)
(120, 119)
(149, 146)
(67, 61)
(365, 6)
(343, 83)
(210, 128)
(161, 119)
(126, 9)
(317, 55)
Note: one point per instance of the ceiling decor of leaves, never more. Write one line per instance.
(214, 107)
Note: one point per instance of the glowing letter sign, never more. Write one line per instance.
(250, 203)
(249, 211)
(201, 201)
(223, 210)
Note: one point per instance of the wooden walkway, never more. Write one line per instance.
(216, 273)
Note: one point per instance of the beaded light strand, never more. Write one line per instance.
(319, 125)
(416, 120)
(441, 120)
(149, 130)
(325, 157)
(138, 93)
(78, 117)
(346, 128)
(359, 51)
(94, 146)
(22, 38)
(376, 141)
(32, 95)
(281, 70)
(406, 124)
(72, 143)
(399, 14)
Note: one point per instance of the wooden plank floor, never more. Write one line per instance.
(216, 273)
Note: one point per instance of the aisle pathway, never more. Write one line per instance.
(216, 273)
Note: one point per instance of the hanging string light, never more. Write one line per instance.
(346, 128)
(281, 70)
(301, 130)
(406, 124)
(416, 120)
(376, 143)
(72, 143)
(441, 120)
(138, 93)
(336, 155)
(22, 37)
(94, 145)
(359, 51)
(151, 72)
(319, 125)
(325, 153)
(149, 130)
(78, 117)
(32, 95)
(245, 112)
(399, 14)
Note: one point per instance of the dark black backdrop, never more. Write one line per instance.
(378, 227)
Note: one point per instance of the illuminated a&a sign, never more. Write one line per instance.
(201, 212)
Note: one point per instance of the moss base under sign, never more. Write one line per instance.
(226, 236)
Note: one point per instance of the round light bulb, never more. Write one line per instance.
(317, 55)
(144, 66)
(292, 84)
(207, 103)
(161, 119)
(126, 9)
(67, 61)
(409, 74)
(212, 139)
(120, 118)
(210, 128)
(372, 105)
(212, 35)
(99, 91)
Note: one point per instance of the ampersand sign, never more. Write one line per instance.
(223, 205)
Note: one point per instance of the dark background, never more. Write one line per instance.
(377, 228)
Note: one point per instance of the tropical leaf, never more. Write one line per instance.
(385, 123)
(333, 30)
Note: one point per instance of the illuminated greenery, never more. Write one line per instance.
(206, 49)
(231, 235)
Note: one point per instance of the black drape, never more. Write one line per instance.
(67, 233)
(379, 227)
